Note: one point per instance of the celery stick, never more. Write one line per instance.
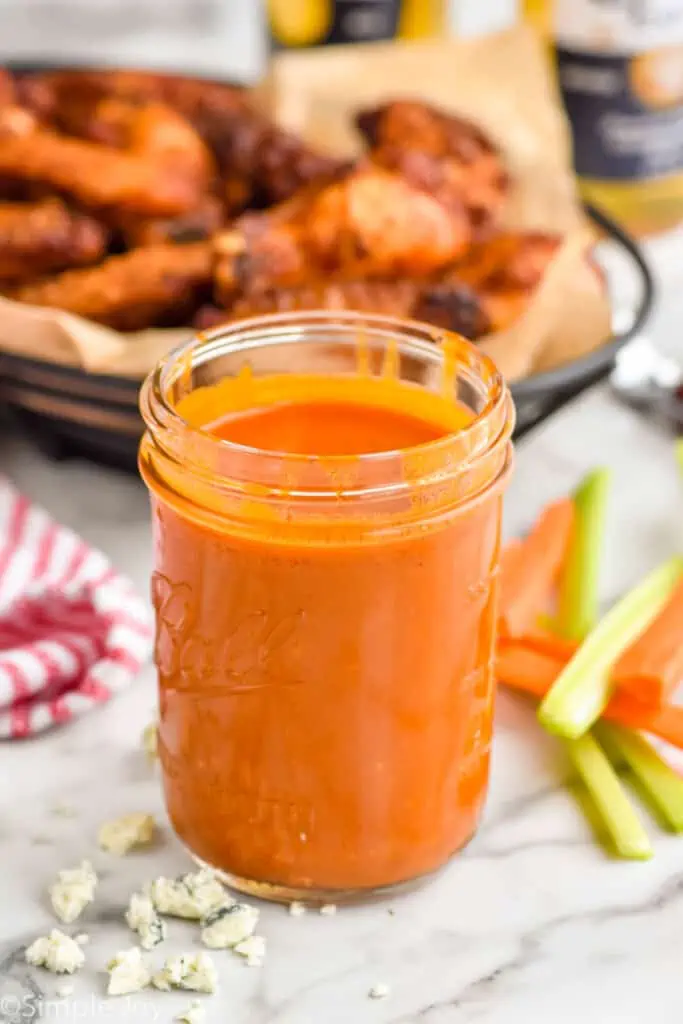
(582, 689)
(679, 453)
(621, 821)
(578, 603)
(663, 785)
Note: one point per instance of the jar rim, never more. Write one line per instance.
(425, 340)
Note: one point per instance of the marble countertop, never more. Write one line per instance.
(533, 923)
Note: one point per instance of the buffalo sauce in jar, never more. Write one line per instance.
(326, 550)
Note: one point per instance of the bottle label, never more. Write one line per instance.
(340, 21)
(620, 65)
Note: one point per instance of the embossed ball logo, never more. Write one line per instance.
(245, 651)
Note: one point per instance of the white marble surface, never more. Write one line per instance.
(534, 923)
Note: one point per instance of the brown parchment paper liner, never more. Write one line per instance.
(501, 82)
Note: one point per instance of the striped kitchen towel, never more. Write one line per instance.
(72, 631)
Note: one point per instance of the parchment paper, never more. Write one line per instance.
(504, 84)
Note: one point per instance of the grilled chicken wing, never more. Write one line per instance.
(16, 121)
(393, 298)
(198, 224)
(96, 176)
(445, 155)
(157, 285)
(473, 297)
(44, 236)
(372, 223)
(509, 260)
(491, 286)
(453, 307)
(151, 130)
(256, 158)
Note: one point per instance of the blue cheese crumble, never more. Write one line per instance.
(150, 742)
(194, 1014)
(194, 972)
(122, 835)
(191, 896)
(142, 917)
(228, 925)
(128, 972)
(252, 949)
(56, 952)
(73, 890)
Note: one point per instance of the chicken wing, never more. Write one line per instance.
(16, 121)
(39, 237)
(455, 308)
(486, 291)
(148, 129)
(508, 260)
(372, 223)
(256, 157)
(447, 156)
(491, 286)
(158, 285)
(393, 298)
(96, 176)
(201, 223)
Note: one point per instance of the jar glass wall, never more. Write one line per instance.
(325, 625)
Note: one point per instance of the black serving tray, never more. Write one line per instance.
(70, 412)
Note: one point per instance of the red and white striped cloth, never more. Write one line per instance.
(72, 631)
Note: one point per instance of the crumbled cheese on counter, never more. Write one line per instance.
(228, 925)
(128, 972)
(56, 952)
(150, 742)
(192, 971)
(192, 896)
(64, 990)
(123, 834)
(379, 991)
(252, 949)
(297, 908)
(73, 890)
(82, 939)
(142, 917)
(194, 1014)
(328, 909)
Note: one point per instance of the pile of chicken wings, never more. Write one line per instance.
(137, 199)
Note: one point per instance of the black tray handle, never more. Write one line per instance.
(571, 376)
(648, 290)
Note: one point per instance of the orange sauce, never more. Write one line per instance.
(325, 706)
(326, 429)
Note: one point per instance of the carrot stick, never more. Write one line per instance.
(583, 687)
(529, 670)
(578, 587)
(525, 668)
(529, 567)
(652, 667)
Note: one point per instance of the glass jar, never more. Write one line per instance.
(325, 626)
